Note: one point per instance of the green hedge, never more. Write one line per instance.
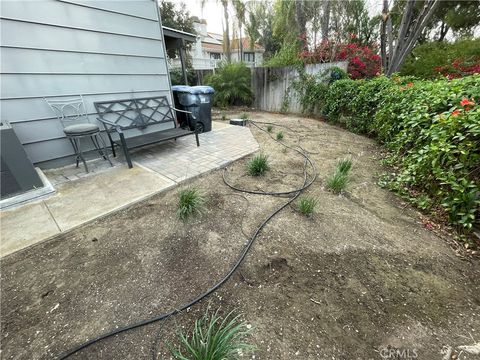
(434, 140)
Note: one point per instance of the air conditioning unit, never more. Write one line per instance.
(19, 180)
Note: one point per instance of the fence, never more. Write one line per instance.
(272, 85)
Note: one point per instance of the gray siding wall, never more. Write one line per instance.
(101, 49)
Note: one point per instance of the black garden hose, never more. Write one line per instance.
(295, 193)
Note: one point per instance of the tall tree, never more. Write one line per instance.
(326, 19)
(177, 17)
(409, 31)
(240, 10)
(259, 26)
(226, 33)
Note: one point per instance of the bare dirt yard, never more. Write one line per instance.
(361, 275)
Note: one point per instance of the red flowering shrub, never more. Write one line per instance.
(363, 62)
(460, 68)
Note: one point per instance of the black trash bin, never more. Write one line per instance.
(198, 100)
(182, 118)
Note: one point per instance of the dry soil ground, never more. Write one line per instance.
(362, 274)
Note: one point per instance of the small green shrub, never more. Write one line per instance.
(224, 117)
(176, 77)
(214, 339)
(344, 166)
(269, 128)
(232, 84)
(306, 205)
(191, 201)
(244, 116)
(337, 182)
(280, 136)
(258, 165)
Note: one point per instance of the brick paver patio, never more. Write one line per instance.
(82, 197)
(177, 160)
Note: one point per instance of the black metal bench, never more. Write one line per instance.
(125, 122)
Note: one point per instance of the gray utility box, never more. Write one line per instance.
(17, 172)
(198, 100)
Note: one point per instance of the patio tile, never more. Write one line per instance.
(24, 226)
(79, 201)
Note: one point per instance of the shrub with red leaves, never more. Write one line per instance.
(363, 62)
(460, 68)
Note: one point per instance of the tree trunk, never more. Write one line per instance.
(227, 31)
(301, 21)
(383, 36)
(410, 30)
(325, 20)
(240, 42)
(443, 31)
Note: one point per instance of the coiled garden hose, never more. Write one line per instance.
(295, 193)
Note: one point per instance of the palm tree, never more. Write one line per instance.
(227, 27)
(240, 10)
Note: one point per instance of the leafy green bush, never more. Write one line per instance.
(232, 84)
(258, 165)
(214, 339)
(286, 56)
(280, 136)
(432, 129)
(190, 201)
(176, 77)
(427, 60)
(306, 205)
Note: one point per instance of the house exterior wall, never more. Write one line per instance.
(100, 49)
(258, 57)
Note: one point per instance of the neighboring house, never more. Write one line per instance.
(101, 49)
(252, 55)
(207, 52)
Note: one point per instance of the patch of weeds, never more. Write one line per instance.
(307, 204)
(258, 165)
(269, 128)
(224, 117)
(337, 182)
(284, 150)
(344, 166)
(191, 201)
(280, 136)
(244, 116)
(214, 339)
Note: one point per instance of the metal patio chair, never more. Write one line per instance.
(73, 116)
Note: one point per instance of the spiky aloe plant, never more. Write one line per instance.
(214, 339)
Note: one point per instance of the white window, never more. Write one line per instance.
(215, 56)
(249, 57)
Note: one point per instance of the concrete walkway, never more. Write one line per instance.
(82, 197)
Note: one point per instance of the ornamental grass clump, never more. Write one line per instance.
(214, 339)
(258, 165)
(339, 180)
(306, 205)
(191, 201)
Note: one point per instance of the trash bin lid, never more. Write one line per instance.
(202, 89)
(182, 89)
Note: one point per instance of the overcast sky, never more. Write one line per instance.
(213, 12)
